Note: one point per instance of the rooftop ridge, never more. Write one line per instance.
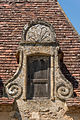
(28, 0)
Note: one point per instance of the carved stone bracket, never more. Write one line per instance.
(13, 87)
(64, 88)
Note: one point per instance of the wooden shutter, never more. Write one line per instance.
(38, 76)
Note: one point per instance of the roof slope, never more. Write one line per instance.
(13, 17)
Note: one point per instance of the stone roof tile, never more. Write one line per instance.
(5, 100)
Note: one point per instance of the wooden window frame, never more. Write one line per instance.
(51, 89)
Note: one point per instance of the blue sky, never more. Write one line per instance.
(72, 10)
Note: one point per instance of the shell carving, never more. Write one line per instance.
(39, 33)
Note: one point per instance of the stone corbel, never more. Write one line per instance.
(64, 88)
(13, 88)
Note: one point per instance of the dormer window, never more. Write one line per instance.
(39, 75)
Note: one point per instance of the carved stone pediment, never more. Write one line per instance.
(39, 32)
(39, 56)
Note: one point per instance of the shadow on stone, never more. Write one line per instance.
(1, 88)
(16, 113)
(67, 74)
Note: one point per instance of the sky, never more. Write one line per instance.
(72, 10)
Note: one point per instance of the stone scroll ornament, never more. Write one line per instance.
(64, 88)
(13, 88)
(64, 91)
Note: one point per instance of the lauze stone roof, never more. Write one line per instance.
(6, 101)
(13, 17)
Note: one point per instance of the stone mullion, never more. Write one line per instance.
(56, 68)
(25, 78)
(52, 77)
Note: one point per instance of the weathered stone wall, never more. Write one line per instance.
(73, 112)
(47, 110)
(42, 109)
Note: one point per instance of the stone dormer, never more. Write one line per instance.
(39, 75)
(39, 60)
